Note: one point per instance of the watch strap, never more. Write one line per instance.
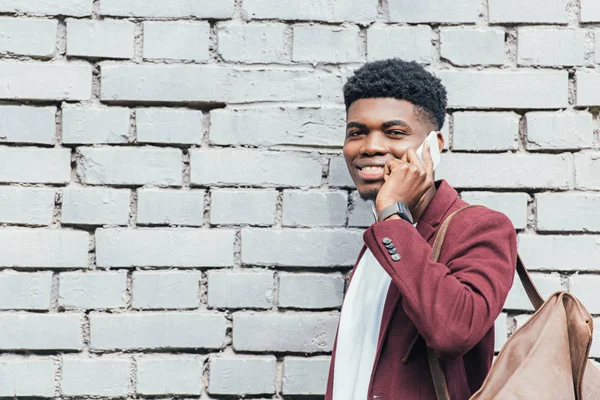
(397, 208)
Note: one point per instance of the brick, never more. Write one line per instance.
(101, 376)
(77, 8)
(300, 247)
(587, 170)
(234, 289)
(157, 330)
(26, 376)
(360, 214)
(180, 247)
(290, 332)
(35, 165)
(585, 287)
(335, 11)
(165, 289)
(305, 376)
(559, 131)
(560, 253)
(160, 9)
(500, 331)
(242, 375)
(434, 11)
(314, 208)
(43, 248)
(279, 126)
(587, 87)
(92, 290)
(25, 291)
(312, 291)
(34, 331)
(595, 349)
(26, 205)
(29, 37)
(105, 38)
(184, 375)
(528, 11)
(489, 131)
(179, 40)
(513, 205)
(210, 83)
(339, 176)
(551, 47)
(597, 46)
(513, 89)
(517, 171)
(253, 43)
(546, 284)
(22, 124)
(129, 166)
(256, 207)
(253, 167)
(170, 207)
(163, 125)
(45, 81)
(336, 45)
(581, 214)
(472, 46)
(410, 43)
(95, 125)
(590, 11)
(95, 206)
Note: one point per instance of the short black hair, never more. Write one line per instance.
(402, 80)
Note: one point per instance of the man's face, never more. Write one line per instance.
(378, 130)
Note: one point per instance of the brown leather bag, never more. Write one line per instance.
(546, 358)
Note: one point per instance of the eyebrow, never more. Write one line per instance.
(385, 125)
(358, 125)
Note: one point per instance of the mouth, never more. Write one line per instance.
(370, 172)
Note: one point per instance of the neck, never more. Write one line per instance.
(425, 200)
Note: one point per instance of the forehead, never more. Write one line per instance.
(378, 110)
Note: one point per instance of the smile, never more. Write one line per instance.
(370, 172)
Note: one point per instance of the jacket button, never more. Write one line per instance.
(386, 241)
(396, 257)
(392, 251)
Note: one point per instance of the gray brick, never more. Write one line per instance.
(472, 46)
(279, 126)
(587, 88)
(253, 43)
(180, 40)
(587, 170)
(92, 290)
(517, 297)
(22, 124)
(95, 206)
(361, 212)
(595, 348)
(95, 125)
(105, 38)
(163, 125)
(560, 253)
(253, 167)
(312, 291)
(290, 332)
(43, 248)
(78, 8)
(165, 289)
(26, 205)
(434, 11)
(181, 247)
(581, 214)
(34, 331)
(528, 11)
(161, 9)
(102, 376)
(25, 291)
(242, 375)
(489, 131)
(170, 207)
(590, 11)
(305, 376)
(585, 287)
(26, 376)
(513, 205)
(130, 166)
(410, 43)
(300, 247)
(501, 331)
(35, 165)
(255, 207)
(150, 330)
(336, 11)
(184, 375)
(559, 131)
(339, 176)
(28, 36)
(314, 208)
(240, 289)
(335, 44)
(551, 47)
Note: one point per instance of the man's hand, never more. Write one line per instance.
(406, 180)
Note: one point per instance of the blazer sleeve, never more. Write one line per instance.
(455, 301)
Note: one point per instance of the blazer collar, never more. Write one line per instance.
(433, 215)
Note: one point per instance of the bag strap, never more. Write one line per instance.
(536, 299)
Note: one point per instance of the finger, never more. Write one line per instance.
(405, 156)
(413, 158)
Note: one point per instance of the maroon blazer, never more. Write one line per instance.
(450, 305)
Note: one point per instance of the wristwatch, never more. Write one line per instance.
(397, 208)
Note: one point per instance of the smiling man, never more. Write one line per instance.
(399, 301)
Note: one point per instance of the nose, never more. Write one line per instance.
(374, 144)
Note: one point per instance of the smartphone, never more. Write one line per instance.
(433, 145)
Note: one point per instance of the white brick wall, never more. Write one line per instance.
(177, 219)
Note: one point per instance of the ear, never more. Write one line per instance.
(440, 140)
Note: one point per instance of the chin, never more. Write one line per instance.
(369, 192)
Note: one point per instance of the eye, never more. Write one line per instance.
(354, 133)
(396, 132)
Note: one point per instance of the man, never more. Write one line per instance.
(399, 301)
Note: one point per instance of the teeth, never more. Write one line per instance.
(372, 168)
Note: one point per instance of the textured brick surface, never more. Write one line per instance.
(184, 375)
(472, 46)
(407, 43)
(513, 205)
(551, 46)
(106, 39)
(490, 131)
(102, 376)
(176, 40)
(95, 206)
(48, 7)
(545, 283)
(33, 331)
(170, 207)
(251, 375)
(26, 376)
(433, 11)
(255, 207)
(22, 124)
(560, 253)
(26, 205)
(587, 170)
(253, 43)
(168, 289)
(28, 37)
(95, 125)
(312, 291)
(580, 215)
(34, 165)
(528, 11)
(314, 208)
(304, 376)
(229, 289)
(92, 290)
(163, 125)
(26, 291)
(161, 9)
(340, 44)
(335, 11)
(558, 131)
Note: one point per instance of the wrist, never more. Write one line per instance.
(399, 209)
